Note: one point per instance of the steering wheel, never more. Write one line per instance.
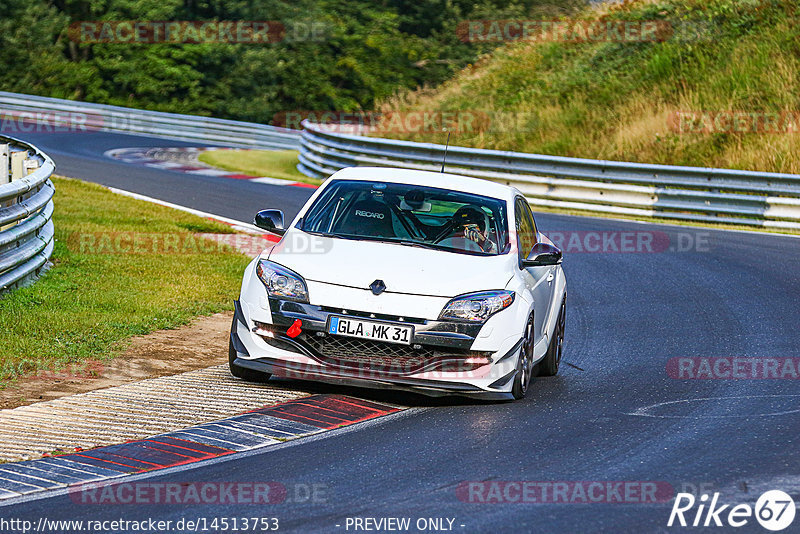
(466, 214)
(445, 232)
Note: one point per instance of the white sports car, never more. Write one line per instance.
(416, 280)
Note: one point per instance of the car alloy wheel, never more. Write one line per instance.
(525, 364)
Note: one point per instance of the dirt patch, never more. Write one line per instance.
(201, 344)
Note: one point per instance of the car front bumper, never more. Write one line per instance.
(452, 367)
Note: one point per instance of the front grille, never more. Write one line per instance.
(365, 350)
(390, 358)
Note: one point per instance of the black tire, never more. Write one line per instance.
(552, 358)
(243, 372)
(522, 380)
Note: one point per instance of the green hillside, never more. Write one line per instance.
(720, 86)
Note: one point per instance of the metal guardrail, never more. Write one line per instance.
(609, 187)
(84, 116)
(26, 210)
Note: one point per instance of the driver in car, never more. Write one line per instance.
(472, 223)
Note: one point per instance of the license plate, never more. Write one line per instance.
(377, 331)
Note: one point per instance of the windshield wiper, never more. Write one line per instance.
(332, 234)
(414, 244)
(341, 236)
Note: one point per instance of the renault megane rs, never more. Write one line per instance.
(406, 279)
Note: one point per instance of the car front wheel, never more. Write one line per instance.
(525, 363)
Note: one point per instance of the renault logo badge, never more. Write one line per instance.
(377, 287)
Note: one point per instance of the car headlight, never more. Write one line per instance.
(477, 307)
(281, 282)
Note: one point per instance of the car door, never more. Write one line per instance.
(538, 280)
(550, 287)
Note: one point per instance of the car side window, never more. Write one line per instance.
(533, 223)
(526, 233)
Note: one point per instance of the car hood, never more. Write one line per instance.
(403, 269)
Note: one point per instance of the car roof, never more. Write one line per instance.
(454, 182)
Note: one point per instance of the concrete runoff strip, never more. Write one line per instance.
(80, 472)
(131, 411)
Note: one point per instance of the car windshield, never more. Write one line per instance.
(411, 215)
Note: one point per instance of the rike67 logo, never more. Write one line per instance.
(774, 510)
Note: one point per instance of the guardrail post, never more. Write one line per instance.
(5, 177)
(30, 166)
(4, 169)
(17, 173)
(18, 165)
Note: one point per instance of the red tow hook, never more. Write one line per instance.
(296, 329)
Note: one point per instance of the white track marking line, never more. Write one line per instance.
(271, 181)
(643, 412)
(238, 225)
(209, 172)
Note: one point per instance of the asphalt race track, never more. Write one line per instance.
(80, 155)
(613, 413)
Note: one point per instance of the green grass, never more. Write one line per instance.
(617, 101)
(89, 304)
(273, 163)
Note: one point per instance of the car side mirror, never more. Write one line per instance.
(543, 254)
(271, 221)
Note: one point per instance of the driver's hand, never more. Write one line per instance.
(472, 232)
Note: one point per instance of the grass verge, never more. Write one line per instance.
(273, 163)
(96, 295)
